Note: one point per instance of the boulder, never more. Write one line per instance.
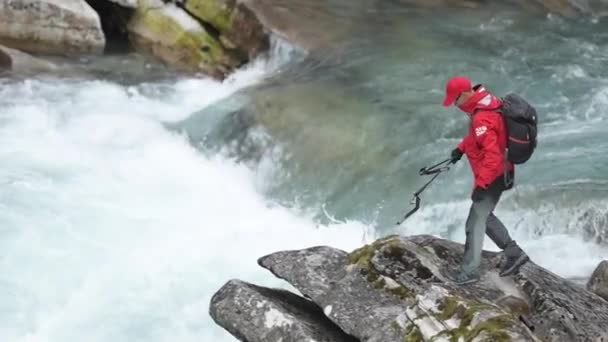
(55, 27)
(598, 283)
(169, 33)
(394, 290)
(237, 26)
(258, 314)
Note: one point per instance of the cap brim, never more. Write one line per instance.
(449, 100)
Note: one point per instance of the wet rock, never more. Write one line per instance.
(598, 283)
(55, 27)
(213, 37)
(594, 223)
(236, 25)
(170, 34)
(253, 313)
(15, 60)
(394, 290)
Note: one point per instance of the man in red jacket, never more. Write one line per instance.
(484, 146)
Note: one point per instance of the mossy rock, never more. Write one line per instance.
(362, 258)
(464, 310)
(237, 27)
(170, 34)
(414, 335)
(218, 13)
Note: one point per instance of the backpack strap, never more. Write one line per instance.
(506, 176)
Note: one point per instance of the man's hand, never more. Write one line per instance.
(456, 155)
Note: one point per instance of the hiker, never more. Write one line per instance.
(484, 146)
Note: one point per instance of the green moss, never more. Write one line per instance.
(493, 327)
(448, 308)
(414, 335)
(395, 326)
(218, 13)
(362, 257)
(401, 292)
(379, 283)
(163, 36)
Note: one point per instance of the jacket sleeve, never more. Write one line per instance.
(464, 143)
(486, 137)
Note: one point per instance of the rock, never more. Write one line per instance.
(386, 292)
(598, 283)
(313, 24)
(125, 3)
(594, 224)
(394, 289)
(253, 313)
(237, 26)
(56, 27)
(170, 34)
(11, 59)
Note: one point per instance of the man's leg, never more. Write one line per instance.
(498, 232)
(515, 257)
(500, 235)
(481, 209)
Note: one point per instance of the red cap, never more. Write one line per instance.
(455, 86)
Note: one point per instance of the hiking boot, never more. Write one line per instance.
(512, 264)
(460, 277)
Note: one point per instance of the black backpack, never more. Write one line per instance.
(520, 121)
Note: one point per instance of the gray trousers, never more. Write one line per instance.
(482, 221)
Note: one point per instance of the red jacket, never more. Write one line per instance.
(486, 141)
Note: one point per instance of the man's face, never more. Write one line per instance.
(463, 98)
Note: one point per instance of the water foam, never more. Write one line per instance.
(114, 228)
(552, 236)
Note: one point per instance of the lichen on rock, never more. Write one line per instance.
(170, 34)
(357, 292)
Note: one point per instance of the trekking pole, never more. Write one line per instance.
(435, 170)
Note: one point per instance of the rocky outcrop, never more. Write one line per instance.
(237, 26)
(394, 290)
(178, 39)
(311, 25)
(56, 27)
(14, 60)
(168, 33)
(598, 283)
